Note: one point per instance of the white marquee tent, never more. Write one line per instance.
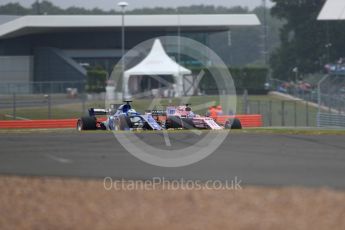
(157, 62)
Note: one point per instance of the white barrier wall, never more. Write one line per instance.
(17, 69)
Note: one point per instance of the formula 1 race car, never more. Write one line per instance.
(121, 118)
(184, 117)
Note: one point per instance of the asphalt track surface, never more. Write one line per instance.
(255, 159)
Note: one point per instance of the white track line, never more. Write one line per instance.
(60, 159)
(166, 138)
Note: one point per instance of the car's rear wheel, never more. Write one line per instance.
(233, 124)
(187, 123)
(103, 127)
(86, 123)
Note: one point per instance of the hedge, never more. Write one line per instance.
(252, 79)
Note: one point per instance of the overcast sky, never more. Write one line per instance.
(111, 4)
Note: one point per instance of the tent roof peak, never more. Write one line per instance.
(157, 62)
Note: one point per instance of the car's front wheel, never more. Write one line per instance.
(123, 123)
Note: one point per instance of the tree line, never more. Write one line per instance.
(307, 44)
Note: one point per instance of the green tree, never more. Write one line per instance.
(273, 26)
(46, 7)
(301, 37)
(96, 80)
(304, 38)
(13, 9)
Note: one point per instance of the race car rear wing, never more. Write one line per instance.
(94, 112)
(157, 112)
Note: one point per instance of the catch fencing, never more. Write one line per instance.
(63, 101)
(328, 94)
(285, 113)
(52, 87)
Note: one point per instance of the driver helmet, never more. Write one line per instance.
(132, 111)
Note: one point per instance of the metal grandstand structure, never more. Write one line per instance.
(331, 101)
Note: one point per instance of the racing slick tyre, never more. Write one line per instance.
(123, 123)
(233, 124)
(86, 123)
(146, 126)
(187, 123)
(174, 122)
(103, 127)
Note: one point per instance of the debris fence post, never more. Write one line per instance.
(307, 113)
(14, 106)
(49, 107)
(245, 102)
(270, 113)
(295, 113)
(283, 113)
